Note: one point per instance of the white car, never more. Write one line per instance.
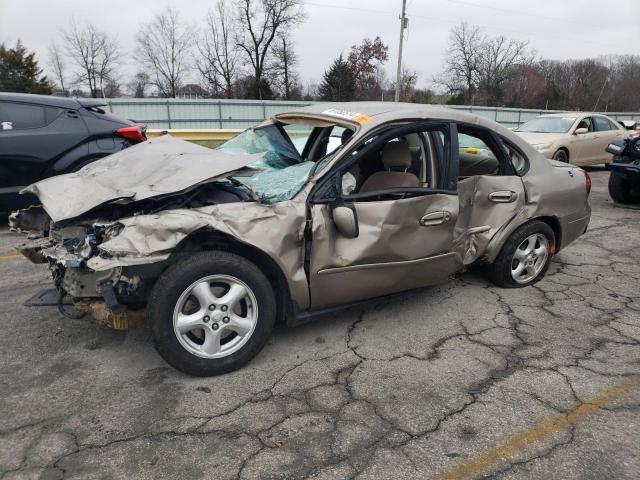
(578, 138)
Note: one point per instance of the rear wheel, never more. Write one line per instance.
(621, 190)
(561, 156)
(211, 313)
(525, 256)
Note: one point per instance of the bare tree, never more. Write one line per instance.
(498, 57)
(138, 85)
(282, 71)
(163, 48)
(260, 22)
(408, 81)
(95, 55)
(218, 52)
(463, 60)
(477, 66)
(58, 65)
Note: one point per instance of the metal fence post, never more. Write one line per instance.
(168, 114)
(264, 111)
(220, 113)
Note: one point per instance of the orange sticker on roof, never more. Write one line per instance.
(347, 115)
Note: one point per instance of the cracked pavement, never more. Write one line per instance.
(463, 380)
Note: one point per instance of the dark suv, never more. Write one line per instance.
(42, 136)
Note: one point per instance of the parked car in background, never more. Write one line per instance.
(578, 138)
(216, 245)
(42, 136)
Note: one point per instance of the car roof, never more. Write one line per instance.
(375, 109)
(571, 114)
(369, 115)
(52, 100)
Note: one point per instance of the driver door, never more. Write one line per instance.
(404, 235)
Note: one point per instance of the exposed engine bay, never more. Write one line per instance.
(69, 245)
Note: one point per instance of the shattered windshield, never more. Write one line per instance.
(281, 172)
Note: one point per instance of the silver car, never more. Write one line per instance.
(313, 210)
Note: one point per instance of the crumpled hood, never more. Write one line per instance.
(154, 168)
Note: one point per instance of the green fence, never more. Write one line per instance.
(223, 114)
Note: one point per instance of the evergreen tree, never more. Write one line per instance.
(19, 71)
(339, 82)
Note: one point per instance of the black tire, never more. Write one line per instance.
(621, 190)
(176, 280)
(561, 156)
(500, 270)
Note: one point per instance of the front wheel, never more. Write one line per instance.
(211, 313)
(525, 256)
(561, 156)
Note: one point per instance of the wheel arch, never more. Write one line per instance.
(565, 149)
(552, 221)
(209, 239)
(555, 225)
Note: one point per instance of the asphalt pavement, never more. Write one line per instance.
(460, 381)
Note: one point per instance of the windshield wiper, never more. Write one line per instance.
(238, 183)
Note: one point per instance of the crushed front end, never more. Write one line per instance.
(113, 296)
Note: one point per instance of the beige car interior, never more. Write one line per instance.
(585, 123)
(400, 163)
(396, 159)
(476, 157)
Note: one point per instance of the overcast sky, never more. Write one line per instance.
(557, 29)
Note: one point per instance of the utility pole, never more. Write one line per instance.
(404, 21)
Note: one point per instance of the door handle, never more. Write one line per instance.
(503, 196)
(435, 218)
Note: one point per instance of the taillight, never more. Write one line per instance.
(587, 179)
(137, 133)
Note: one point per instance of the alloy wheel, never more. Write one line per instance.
(529, 258)
(215, 316)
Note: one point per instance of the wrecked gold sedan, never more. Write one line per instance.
(313, 210)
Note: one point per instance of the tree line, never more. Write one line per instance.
(498, 71)
(244, 49)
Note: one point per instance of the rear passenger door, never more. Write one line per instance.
(607, 132)
(35, 136)
(490, 191)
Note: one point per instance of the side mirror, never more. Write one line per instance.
(346, 221)
(580, 131)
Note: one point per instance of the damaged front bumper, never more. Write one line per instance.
(97, 284)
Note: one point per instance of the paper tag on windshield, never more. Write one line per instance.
(347, 115)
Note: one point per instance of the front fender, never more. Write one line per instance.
(274, 229)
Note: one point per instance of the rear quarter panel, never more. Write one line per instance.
(557, 192)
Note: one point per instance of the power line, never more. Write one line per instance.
(455, 22)
(527, 14)
(342, 7)
(515, 30)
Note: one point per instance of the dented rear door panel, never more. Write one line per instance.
(488, 205)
